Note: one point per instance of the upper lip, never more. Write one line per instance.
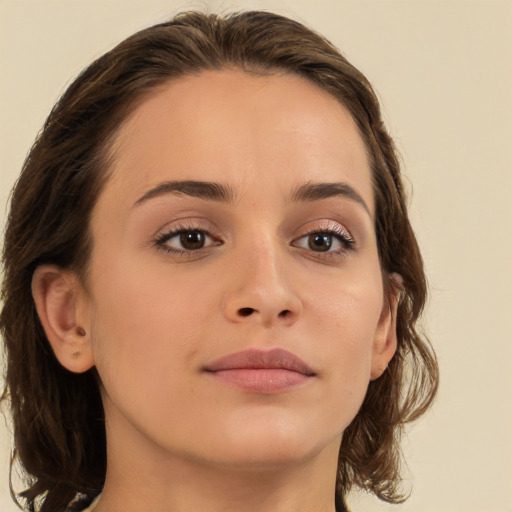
(273, 359)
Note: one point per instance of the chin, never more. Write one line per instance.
(270, 446)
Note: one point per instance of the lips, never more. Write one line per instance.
(260, 371)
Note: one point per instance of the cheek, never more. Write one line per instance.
(346, 316)
(347, 308)
(145, 323)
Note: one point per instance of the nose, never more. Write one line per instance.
(262, 289)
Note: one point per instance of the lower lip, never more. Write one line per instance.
(266, 381)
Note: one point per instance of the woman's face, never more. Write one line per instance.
(235, 301)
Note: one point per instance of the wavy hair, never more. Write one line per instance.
(58, 420)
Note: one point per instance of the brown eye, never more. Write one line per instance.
(185, 240)
(333, 241)
(192, 240)
(320, 242)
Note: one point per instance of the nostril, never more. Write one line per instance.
(245, 311)
(284, 313)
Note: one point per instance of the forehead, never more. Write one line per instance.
(231, 126)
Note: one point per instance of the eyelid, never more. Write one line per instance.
(166, 238)
(187, 225)
(325, 225)
(331, 228)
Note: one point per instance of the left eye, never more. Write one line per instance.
(186, 240)
(322, 241)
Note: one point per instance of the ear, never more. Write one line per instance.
(385, 341)
(62, 307)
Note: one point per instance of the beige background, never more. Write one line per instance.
(443, 70)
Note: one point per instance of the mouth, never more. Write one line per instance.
(261, 371)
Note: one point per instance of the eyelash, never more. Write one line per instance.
(333, 230)
(161, 240)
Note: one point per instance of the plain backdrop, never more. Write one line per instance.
(443, 71)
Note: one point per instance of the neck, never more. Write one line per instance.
(215, 490)
(146, 477)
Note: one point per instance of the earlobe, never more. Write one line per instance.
(385, 342)
(59, 298)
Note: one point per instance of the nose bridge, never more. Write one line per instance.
(265, 267)
(261, 288)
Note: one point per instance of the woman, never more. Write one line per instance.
(211, 283)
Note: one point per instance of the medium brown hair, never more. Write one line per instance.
(58, 420)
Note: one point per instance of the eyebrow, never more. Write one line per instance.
(201, 189)
(223, 193)
(317, 191)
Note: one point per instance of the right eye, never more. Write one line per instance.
(181, 240)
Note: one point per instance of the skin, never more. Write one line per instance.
(179, 438)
